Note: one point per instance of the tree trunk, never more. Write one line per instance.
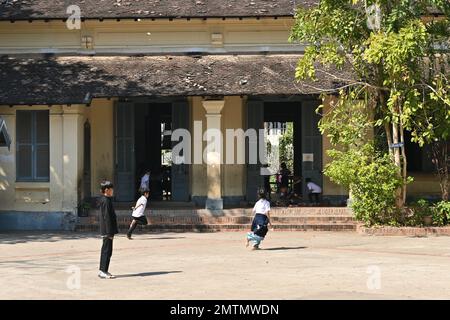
(387, 128)
(397, 160)
(404, 160)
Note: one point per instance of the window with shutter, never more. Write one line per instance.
(33, 150)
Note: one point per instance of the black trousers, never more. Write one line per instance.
(106, 253)
(141, 220)
(316, 197)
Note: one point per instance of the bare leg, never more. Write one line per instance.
(132, 227)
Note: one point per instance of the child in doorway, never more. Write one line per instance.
(260, 221)
(139, 212)
(313, 190)
(145, 181)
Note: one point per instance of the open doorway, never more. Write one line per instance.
(282, 124)
(143, 142)
(153, 151)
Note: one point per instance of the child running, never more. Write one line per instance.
(260, 221)
(139, 212)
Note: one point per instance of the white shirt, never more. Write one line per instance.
(262, 206)
(145, 182)
(141, 204)
(313, 188)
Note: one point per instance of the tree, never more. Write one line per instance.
(287, 146)
(432, 124)
(385, 44)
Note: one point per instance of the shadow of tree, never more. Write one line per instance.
(149, 8)
(15, 237)
(47, 79)
(32, 236)
(12, 10)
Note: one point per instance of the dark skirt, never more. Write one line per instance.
(141, 220)
(259, 224)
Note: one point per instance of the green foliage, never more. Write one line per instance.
(391, 81)
(422, 209)
(287, 147)
(441, 213)
(348, 122)
(372, 178)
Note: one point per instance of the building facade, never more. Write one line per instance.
(99, 100)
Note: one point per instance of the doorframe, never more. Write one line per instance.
(115, 131)
(150, 100)
(301, 99)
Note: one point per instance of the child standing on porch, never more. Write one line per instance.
(139, 212)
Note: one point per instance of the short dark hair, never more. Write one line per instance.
(308, 180)
(105, 184)
(144, 191)
(262, 193)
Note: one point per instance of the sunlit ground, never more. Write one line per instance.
(290, 265)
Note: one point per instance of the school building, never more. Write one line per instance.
(98, 98)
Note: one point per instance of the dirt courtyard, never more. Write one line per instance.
(290, 265)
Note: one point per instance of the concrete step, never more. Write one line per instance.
(226, 220)
(298, 218)
(275, 212)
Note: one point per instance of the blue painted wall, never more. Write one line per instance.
(49, 221)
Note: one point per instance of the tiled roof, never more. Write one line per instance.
(72, 80)
(90, 9)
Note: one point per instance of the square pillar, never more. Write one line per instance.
(72, 156)
(214, 153)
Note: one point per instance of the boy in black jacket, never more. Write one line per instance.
(108, 228)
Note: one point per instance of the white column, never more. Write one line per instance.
(214, 153)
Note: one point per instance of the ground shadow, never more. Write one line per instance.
(159, 238)
(15, 237)
(146, 274)
(284, 248)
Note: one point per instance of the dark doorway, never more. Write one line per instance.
(283, 120)
(300, 118)
(153, 129)
(143, 142)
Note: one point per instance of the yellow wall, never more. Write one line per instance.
(233, 175)
(423, 184)
(66, 154)
(214, 35)
(329, 188)
(64, 191)
(101, 118)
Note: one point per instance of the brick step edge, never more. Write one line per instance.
(219, 220)
(294, 212)
(209, 227)
(404, 231)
